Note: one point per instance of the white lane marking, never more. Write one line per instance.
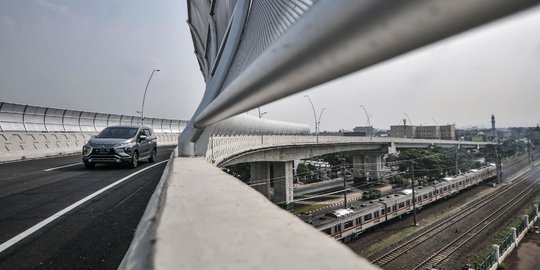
(69, 165)
(64, 211)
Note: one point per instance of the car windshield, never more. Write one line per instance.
(118, 132)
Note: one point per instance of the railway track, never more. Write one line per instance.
(444, 253)
(438, 228)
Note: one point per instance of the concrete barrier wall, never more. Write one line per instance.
(34, 132)
(28, 145)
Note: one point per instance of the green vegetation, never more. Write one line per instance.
(435, 163)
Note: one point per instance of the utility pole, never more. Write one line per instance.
(529, 152)
(344, 183)
(413, 194)
(456, 159)
(498, 162)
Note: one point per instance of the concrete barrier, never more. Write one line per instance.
(202, 218)
(29, 145)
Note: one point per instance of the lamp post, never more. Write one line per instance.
(317, 121)
(144, 96)
(261, 113)
(368, 121)
(437, 129)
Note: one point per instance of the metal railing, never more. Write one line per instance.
(26, 118)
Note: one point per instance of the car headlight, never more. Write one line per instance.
(87, 150)
(123, 148)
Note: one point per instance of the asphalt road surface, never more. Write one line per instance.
(55, 214)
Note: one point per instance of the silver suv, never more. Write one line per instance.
(127, 144)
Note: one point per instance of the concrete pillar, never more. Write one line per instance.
(283, 181)
(497, 254)
(526, 218)
(367, 165)
(260, 177)
(536, 209)
(358, 166)
(514, 235)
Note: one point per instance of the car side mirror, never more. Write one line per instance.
(142, 137)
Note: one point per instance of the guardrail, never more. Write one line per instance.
(26, 118)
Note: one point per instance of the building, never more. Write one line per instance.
(446, 132)
(362, 131)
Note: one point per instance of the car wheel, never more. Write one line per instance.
(89, 165)
(152, 157)
(134, 160)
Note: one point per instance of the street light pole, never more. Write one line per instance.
(146, 89)
(261, 113)
(315, 116)
(367, 116)
(319, 121)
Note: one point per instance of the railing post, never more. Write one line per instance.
(514, 235)
(497, 254)
(536, 209)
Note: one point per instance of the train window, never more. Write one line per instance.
(388, 210)
(328, 231)
(419, 198)
(358, 221)
(382, 211)
(453, 185)
(337, 228)
(408, 202)
(368, 217)
(430, 195)
(376, 214)
(394, 208)
(401, 205)
(435, 192)
(425, 196)
(347, 224)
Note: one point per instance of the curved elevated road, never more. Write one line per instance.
(48, 220)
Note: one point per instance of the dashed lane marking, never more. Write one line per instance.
(69, 165)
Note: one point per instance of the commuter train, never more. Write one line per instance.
(346, 225)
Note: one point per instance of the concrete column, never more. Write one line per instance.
(536, 209)
(514, 235)
(497, 254)
(260, 177)
(283, 181)
(359, 168)
(374, 166)
(365, 165)
(526, 218)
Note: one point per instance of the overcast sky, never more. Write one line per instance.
(97, 56)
